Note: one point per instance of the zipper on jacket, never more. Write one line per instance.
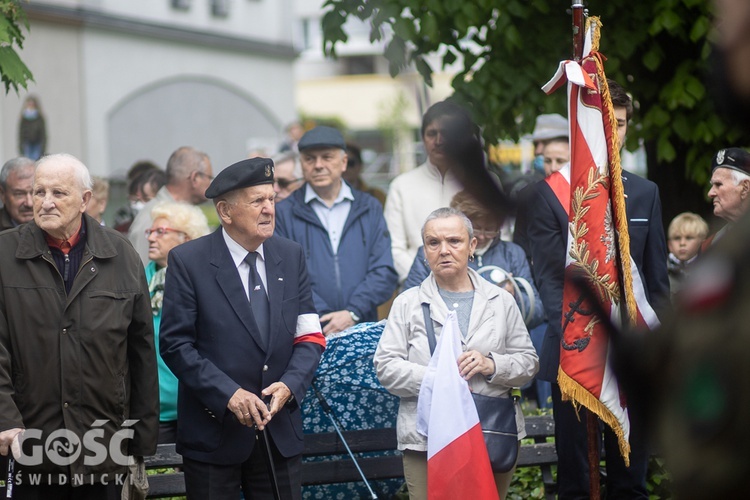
(337, 273)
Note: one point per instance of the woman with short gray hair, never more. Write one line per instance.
(497, 351)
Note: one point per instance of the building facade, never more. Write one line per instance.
(125, 80)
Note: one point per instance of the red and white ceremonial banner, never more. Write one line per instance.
(598, 242)
(457, 462)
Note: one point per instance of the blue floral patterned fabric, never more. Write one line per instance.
(346, 379)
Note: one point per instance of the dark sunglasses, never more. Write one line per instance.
(285, 183)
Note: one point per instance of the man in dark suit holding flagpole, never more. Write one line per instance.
(240, 332)
(547, 237)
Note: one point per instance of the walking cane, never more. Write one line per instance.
(262, 436)
(329, 411)
(9, 479)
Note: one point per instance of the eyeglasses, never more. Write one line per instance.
(285, 183)
(204, 174)
(486, 234)
(161, 231)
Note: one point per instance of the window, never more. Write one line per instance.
(220, 8)
(181, 4)
(358, 65)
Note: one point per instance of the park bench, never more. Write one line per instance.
(539, 454)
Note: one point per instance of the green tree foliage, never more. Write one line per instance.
(13, 72)
(659, 50)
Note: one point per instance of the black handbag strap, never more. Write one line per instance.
(429, 328)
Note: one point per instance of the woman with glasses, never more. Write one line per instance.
(490, 251)
(172, 224)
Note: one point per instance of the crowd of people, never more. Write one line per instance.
(186, 293)
(158, 330)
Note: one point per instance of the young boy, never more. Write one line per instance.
(685, 234)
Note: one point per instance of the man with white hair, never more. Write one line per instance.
(77, 357)
(730, 186)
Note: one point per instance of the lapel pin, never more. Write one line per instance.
(281, 279)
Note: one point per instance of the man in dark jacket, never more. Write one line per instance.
(240, 332)
(343, 233)
(77, 360)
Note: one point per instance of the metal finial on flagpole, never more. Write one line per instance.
(578, 30)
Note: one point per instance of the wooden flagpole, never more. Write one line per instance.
(578, 30)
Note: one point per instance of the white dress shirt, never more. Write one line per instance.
(238, 254)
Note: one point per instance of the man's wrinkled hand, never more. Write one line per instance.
(249, 409)
(279, 393)
(6, 440)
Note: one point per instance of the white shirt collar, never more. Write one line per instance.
(237, 251)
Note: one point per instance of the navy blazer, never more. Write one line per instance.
(210, 341)
(546, 233)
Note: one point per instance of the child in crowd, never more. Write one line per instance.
(685, 234)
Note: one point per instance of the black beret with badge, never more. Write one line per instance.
(734, 158)
(245, 173)
(321, 137)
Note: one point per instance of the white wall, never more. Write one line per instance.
(87, 76)
(119, 69)
(53, 54)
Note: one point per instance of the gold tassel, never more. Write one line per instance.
(595, 33)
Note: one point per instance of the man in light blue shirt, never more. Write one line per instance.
(343, 233)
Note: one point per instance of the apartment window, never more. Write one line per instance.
(358, 65)
(220, 8)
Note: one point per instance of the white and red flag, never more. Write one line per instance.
(591, 192)
(457, 462)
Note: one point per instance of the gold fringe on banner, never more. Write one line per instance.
(617, 197)
(596, 33)
(579, 396)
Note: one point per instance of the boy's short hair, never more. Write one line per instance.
(688, 223)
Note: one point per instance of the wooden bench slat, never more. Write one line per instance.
(329, 443)
(344, 471)
(537, 454)
(166, 485)
(166, 456)
(540, 426)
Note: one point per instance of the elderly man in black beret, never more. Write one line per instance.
(730, 185)
(240, 332)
